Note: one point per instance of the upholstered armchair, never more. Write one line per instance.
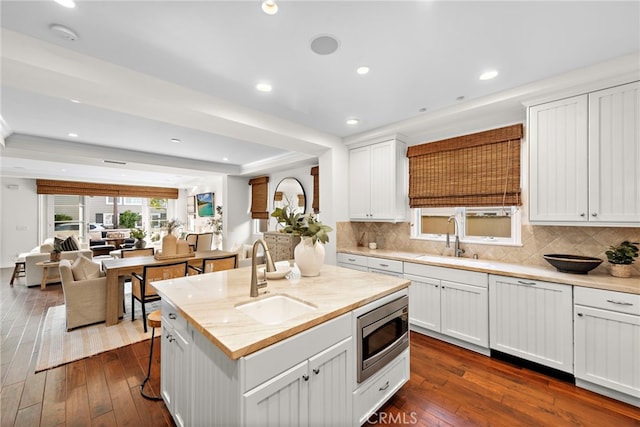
(85, 292)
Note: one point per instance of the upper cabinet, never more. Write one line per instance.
(584, 157)
(378, 182)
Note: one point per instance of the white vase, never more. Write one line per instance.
(309, 257)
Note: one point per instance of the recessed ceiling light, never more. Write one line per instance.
(362, 70)
(225, 159)
(263, 87)
(353, 121)
(175, 140)
(66, 3)
(269, 7)
(488, 75)
(75, 101)
(64, 32)
(73, 134)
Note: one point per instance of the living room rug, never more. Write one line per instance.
(58, 347)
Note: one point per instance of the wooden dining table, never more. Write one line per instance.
(119, 268)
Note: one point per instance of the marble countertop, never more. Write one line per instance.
(591, 280)
(208, 302)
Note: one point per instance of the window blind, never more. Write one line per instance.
(259, 197)
(315, 204)
(46, 186)
(480, 169)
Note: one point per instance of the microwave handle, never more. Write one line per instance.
(375, 325)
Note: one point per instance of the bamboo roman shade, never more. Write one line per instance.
(481, 169)
(259, 197)
(315, 204)
(45, 186)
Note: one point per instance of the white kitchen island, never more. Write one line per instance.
(224, 366)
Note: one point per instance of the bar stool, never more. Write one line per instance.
(153, 321)
(18, 271)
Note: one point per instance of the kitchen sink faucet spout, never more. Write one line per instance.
(458, 251)
(255, 284)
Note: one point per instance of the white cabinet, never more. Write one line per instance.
(607, 342)
(584, 153)
(315, 392)
(532, 320)
(378, 182)
(452, 303)
(354, 262)
(175, 380)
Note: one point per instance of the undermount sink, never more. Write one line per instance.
(275, 309)
(455, 261)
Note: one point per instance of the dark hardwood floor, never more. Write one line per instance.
(449, 386)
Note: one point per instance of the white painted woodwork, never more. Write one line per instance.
(448, 301)
(583, 155)
(377, 389)
(532, 320)
(384, 264)
(614, 154)
(377, 182)
(558, 160)
(607, 340)
(354, 262)
(464, 312)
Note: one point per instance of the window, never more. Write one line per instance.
(132, 201)
(69, 215)
(486, 225)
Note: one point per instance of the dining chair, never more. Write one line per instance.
(204, 242)
(192, 240)
(209, 265)
(128, 253)
(142, 290)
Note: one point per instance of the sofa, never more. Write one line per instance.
(33, 273)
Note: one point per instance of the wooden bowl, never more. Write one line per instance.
(574, 264)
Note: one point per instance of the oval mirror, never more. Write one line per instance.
(289, 193)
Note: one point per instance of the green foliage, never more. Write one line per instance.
(624, 253)
(57, 248)
(129, 219)
(158, 203)
(306, 226)
(62, 217)
(138, 233)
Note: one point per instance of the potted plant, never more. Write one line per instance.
(621, 257)
(139, 234)
(170, 241)
(55, 253)
(309, 253)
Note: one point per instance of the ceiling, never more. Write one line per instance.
(145, 72)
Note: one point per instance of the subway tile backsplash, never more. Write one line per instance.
(536, 241)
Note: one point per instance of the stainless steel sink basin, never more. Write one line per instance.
(275, 309)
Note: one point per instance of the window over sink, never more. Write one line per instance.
(478, 225)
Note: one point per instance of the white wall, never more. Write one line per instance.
(18, 218)
(303, 175)
(237, 222)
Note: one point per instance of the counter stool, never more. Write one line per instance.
(153, 321)
(18, 271)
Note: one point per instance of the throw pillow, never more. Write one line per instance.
(83, 269)
(58, 241)
(69, 244)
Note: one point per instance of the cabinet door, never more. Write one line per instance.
(330, 383)
(464, 312)
(360, 183)
(558, 160)
(182, 379)
(281, 401)
(608, 349)
(167, 373)
(424, 302)
(614, 154)
(383, 180)
(532, 320)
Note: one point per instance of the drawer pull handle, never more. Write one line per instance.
(384, 387)
(172, 316)
(522, 282)
(384, 265)
(305, 377)
(316, 371)
(619, 302)
(580, 314)
(351, 259)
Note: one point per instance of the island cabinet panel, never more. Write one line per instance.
(532, 320)
(607, 342)
(175, 368)
(449, 304)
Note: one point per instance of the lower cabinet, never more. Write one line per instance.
(175, 368)
(607, 341)
(532, 320)
(450, 302)
(314, 392)
(354, 262)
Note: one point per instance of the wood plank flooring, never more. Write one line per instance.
(449, 386)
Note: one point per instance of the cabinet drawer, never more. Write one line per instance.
(608, 300)
(172, 318)
(378, 389)
(385, 264)
(360, 260)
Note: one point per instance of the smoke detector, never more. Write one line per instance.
(64, 32)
